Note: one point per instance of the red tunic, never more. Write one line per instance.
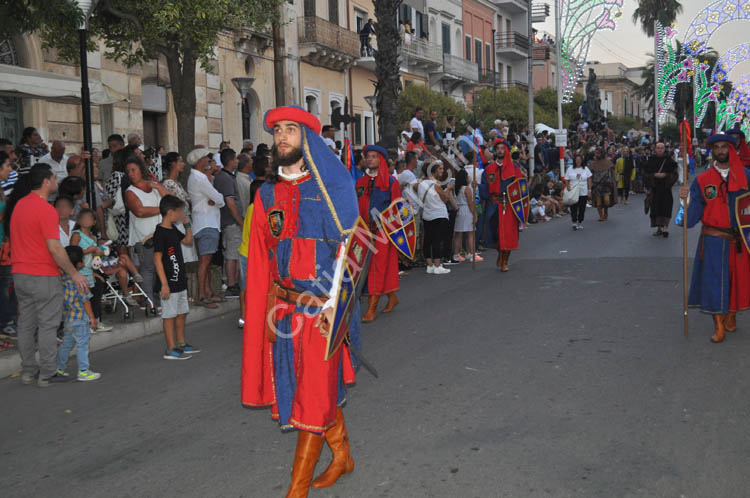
(382, 277)
(499, 177)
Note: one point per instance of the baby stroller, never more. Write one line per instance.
(115, 294)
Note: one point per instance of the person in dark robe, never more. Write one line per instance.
(660, 174)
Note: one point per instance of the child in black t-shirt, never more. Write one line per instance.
(170, 267)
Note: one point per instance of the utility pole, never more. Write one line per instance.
(656, 81)
(278, 59)
(531, 133)
(560, 129)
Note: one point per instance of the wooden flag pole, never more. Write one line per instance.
(685, 170)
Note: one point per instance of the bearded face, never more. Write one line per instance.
(720, 152)
(286, 155)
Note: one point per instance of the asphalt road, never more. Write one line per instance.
(569, 376)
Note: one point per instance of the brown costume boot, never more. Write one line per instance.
(305, 458)
(392, 302)
(719, 329)
(730, 322)
(499, 262)
(372, 309)
(506, 257)
(342, 463)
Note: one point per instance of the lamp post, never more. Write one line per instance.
(243, 86)
(372, 101)
(87, 6)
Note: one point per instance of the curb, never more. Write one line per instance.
(10, 362)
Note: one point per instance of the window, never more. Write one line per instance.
(488, 56)
(478, 53)
(309, 8)
(361, 18)
(357, 128)
(405, 13)
(369, 128)
(446, 38)
(333, 11)
(510, 74)
(468, 48)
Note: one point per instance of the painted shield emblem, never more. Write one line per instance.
(353, 276)
(742, 210)
(276, 222)
(710, 192)
(400, 227)
(491, 178)
(518, 196)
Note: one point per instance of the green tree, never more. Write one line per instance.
(649, 11)
(421, 96)
(185, 32)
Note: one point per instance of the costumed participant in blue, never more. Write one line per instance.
(742, 149)
(720, 200)
(302, 216)
(503, 190)
(377, 190)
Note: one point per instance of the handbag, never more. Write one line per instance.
(118, 208)
(111, 229)
(571, 195)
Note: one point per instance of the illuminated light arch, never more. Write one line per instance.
(580, 20)
(728, 61)
(710, 19)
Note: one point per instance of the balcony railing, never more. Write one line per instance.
(460, 68)
(513, 6)
(511, 41)
(416, 52)
(316, 30)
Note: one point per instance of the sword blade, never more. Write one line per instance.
(362, 358)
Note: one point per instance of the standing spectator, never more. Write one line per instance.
(231, 219)
(435, 216)
(222, 147)
(328, 133)
(248, 147)
(170, 268)
(7, 297)
(408, 180)
(466, 219)
(365, 50)
(115, 187)
(625, 169)
(206, 222)
(56, 159)
(578, 175)
(540, 154)
(37, 258)
(142, 200)
(173, 166)
(416, 122)
(134, 139)
(7, 185)
(432, 136)
(64, 207)
(79, 321)
(115, 143)
(244, 180)
(31, 149)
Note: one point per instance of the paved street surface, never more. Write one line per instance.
(569, 376)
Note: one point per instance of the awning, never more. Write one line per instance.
(22, 82)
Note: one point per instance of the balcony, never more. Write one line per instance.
(512, 45)
(512, 6)
(367, 58)
(418, 54)
(325, 44)
(455, 71)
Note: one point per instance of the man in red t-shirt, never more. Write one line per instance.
(37, 257)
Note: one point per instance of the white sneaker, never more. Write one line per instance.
(240, 323)
(580, 227)
(102, 327)
(440, 270)
(430, 269)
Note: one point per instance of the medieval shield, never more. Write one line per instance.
(400, 227)
(350, 280)
(742, 210)
(518, 196)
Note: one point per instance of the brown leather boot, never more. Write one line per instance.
(506, 257)
(342, 463)
(730, 322)
(372, 309)
(392, 302)
(305, 458)
(499, 262)
(719, 329)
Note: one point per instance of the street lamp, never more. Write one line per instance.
(372, 101)
(243, 86)
(87, 6)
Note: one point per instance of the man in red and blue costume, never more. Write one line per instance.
(720, 284)
(302, 216)
(497, 177)
(377, 190)
(742, 149)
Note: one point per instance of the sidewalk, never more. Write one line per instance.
(10, 361)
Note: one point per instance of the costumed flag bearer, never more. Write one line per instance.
(302, 215)
(376, 190)
(499, 176)
(720, 200)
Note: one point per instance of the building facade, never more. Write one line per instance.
(618, 89)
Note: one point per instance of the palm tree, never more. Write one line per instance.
(388, 73)
(648, 11)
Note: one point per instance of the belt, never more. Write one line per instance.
(278, 292)
(722, 233)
